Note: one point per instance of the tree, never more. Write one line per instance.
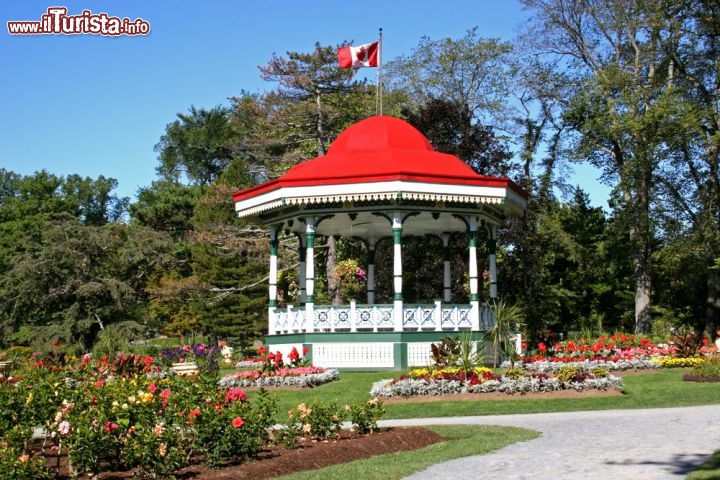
(468, 71)
(622, 107)
(689, 178)
(77, 279)
(450, 128)
(197, 147)
(312, 89)
(167, 207)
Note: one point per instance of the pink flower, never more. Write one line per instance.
(152, 388)
(235, 395)
(64, 428)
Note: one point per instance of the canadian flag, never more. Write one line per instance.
(360, 56)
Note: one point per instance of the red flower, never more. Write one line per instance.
(194, 413)
(542, 347)
(305, 350)
(235, 395)
(261, 351)
(237, 422)
(294, 354)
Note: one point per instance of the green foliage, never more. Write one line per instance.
(351, 279)
(316, 420)
(464, 352)
(364, 416)
(508, 319)
(515, 373)
(708, 368)
(567, 373)
(16, 465)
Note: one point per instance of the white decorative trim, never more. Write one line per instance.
(374, 191)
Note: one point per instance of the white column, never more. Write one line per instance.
(473, 273)
(447, 292)
(272, 281)
(371, 272)
(309, 273)
(492, 267)
(397, 271)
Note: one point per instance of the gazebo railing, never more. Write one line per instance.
(377, 318)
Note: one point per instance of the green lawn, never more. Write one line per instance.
(662, 388)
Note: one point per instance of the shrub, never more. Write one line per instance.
(18, 465)
(317, 421)
(709, 367)
(364, 416)
(515, 373)
(567, 373)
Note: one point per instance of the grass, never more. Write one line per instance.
(662, 388)
(656, 389)
(461, 441)
(710, 470)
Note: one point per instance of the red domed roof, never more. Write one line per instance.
(379, 149)
(377, 134)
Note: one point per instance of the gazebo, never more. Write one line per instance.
(380, 178)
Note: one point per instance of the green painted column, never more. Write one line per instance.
(272, 290)
(473, 273)
(397, 271)
(309, 272)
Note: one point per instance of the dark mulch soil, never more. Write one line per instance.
(276, 461)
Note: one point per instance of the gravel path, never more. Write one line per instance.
(652, 444)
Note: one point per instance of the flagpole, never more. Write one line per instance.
(379, 85)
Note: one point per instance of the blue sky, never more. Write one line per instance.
(97, 105)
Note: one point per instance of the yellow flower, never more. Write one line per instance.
(29, 399)
(307, 428)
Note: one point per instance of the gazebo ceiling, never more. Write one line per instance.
(378, 165)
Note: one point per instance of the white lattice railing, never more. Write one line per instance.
(378, 318)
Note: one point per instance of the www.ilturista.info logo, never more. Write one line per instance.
(57, 22)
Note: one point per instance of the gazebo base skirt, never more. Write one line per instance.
(370, 351)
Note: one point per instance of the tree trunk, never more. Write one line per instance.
(643, 286)
(333, 290)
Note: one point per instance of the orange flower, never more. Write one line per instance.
(237, 422)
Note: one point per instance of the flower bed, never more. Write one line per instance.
(129, 413)
(545, 366)
(282, 377)
(483, 381)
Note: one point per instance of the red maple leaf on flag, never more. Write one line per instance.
(361, 53)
